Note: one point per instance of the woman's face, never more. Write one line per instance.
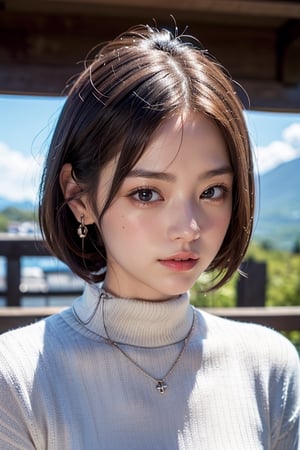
(170, 216)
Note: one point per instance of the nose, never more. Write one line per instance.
(184, 224)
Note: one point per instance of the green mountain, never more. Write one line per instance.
(279, 206)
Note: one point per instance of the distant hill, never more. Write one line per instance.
(279, 206)
(26, 205)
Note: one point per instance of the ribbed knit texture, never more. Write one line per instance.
(63, 387)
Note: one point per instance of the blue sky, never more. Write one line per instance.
(26, 124)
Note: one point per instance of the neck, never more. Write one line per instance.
(135, 322)
(112, 293)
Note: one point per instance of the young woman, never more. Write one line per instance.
(147, 185)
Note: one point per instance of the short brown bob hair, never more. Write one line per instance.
(136, 81)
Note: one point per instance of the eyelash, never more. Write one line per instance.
(148, 189)
(224, 189)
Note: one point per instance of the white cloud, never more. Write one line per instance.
(19, 174)
(279, 152)
(292, 135)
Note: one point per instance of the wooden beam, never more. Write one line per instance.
(41, 51)
(261, 8)
(280, 318)
(16, 247)
(270, 95)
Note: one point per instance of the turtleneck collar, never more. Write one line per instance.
(141, 323)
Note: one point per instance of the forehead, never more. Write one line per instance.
(184, 140)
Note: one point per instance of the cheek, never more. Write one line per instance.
(225, 222)
(227, 216)
(136, 227)
(119, 226)
(222, 222)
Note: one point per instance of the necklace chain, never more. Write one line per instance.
(160, 383)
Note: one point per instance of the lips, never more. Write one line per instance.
(180, 262)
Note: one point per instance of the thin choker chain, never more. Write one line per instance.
(160, 383)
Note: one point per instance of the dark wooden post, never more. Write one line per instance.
(13, 279)
(13, 248)
(251, 289)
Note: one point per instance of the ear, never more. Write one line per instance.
(72, 192)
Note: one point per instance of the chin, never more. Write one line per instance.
(163, 295)
(171, 293)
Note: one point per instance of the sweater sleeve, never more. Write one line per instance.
(18, 429)
(287, 423)
(15, 423)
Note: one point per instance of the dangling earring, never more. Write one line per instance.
(82, 229)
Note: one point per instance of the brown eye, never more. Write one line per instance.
(214, 193)
(146, 195)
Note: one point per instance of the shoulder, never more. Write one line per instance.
(19, 339)
(252, 342)
(20, 350)
(32, 332)
(264, 357)
(22, 347)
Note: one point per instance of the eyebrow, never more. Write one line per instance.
(165, 176)
(140, 173)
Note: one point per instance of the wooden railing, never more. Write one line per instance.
(14, 315)
(280, 318)
(13, 248)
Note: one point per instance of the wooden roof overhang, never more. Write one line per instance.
(43, 41)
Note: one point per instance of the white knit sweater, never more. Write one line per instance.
(63, 387)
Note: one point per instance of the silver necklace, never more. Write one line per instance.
(160, 383)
